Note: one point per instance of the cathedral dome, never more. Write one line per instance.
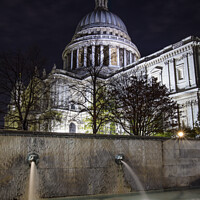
(101, 39)
(101, 17)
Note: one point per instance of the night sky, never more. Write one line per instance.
(50, 24)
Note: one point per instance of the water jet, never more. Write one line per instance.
(33, 160)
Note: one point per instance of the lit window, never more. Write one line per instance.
(113, 56)
(81, 57)
(121, 57)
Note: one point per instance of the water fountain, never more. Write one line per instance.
(119, 159)
(33, 160)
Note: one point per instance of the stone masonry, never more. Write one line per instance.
(75, 164)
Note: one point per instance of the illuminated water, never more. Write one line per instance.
(32, 193)
(193, 194)
(137, 181)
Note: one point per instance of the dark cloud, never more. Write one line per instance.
(51, 24)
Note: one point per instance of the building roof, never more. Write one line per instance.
(101, 17)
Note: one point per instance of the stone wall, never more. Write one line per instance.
(181, 163)
(85, 164)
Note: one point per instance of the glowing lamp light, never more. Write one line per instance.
(180, 134)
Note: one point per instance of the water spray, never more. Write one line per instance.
(33, 160)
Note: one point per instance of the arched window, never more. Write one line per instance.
(72, 128)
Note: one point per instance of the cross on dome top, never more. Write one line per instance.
(103, 4)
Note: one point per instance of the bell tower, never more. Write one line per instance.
(101, 4)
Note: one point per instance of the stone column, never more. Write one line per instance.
(72, 59)
(109, 55)
(77, 58)
(166, 77)
(131, 58)
(186, 70)
(195, 109)
(192, 114)
(93, 56)
(125, 63)
(172, 76)
(117, 56)
(101, 55)
(191, 67)
(85, 57)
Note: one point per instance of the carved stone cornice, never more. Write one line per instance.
(159, 58)
(177, 45)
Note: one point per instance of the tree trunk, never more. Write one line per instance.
(25, 126)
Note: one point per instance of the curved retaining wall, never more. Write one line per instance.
(75, 164)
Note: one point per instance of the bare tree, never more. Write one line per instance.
(90, 93)
(91, 98)
(20, 86)
(141, 105)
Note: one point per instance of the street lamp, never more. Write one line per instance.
(180, 134)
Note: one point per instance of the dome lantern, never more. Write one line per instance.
(101, 4)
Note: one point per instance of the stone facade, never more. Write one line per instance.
(73, 164)
(101, 40)
(177, 67)
(181, 163)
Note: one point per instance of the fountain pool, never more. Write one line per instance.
(192, 194)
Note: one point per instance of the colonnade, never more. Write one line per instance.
(98, 55)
